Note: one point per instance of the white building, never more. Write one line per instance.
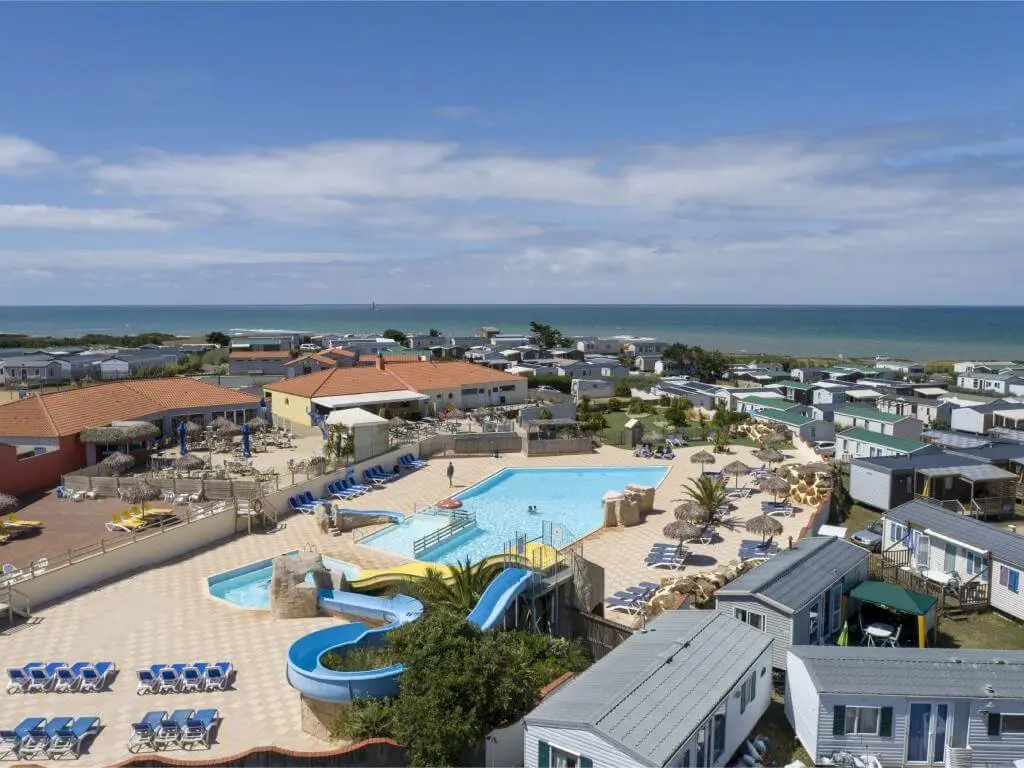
(592, 388)
(881, 422)
(1008, 383)
(687, 692)
(983, 366)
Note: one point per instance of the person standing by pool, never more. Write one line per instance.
(451, 473)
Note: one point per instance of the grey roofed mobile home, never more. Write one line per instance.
(908, 705)
(796, 596)
(884, 482)
(649, 700)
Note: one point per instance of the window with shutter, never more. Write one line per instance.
(1004, 575)
(543, 755)
(993, 723)
(885, 722)
(1014, 581)
(838, 720)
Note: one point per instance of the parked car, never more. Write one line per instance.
(870, 537)
(546, 388)
(825, 448)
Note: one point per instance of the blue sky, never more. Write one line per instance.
(236, 153)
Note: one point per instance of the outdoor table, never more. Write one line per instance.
(878, 631)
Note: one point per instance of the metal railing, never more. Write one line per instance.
(459, 523)
(13, 610)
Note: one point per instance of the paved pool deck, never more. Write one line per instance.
(164, 614)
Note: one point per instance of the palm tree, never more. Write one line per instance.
(720, 439)
(459, 592)
(702, 425)
(708, 494)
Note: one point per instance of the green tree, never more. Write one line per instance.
(340, 443)
(622, 389)
(433, 333)
(720, 438)
(545, 414)
(676, 412)
(459, 593)
(219, 338)
(708, 493)
(702, 425)
(614, 404)
(397, 335)
(546, 336)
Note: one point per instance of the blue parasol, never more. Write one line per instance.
(263, 408)
(181, 439)
(245, 441)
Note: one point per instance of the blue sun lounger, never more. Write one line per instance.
(199, 729)
(339, 491)
(11, 740)
(17, 680)
(627, 603)
(218, 676)
(351, 484)
(70, 739)
(37, 741)
(144, 732)
(94, 677)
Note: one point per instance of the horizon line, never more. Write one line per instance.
(293, 305)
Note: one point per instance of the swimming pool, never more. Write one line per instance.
(249, 586)
(566, 497)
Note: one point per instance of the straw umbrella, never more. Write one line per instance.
(774, 485)
(257, 424)
(117, 463)
(228, 429)
(737, 469)
(681, 530)
(8, 504)
(140, 492)
(769, 456)
(702, 458)
(692, 512)
(192, 428)
(189, 462)
(765, 525)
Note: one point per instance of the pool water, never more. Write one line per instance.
(566, 497)
(249, 586)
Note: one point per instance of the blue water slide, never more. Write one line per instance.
(395, 516)
(498, 596)
(311, 678)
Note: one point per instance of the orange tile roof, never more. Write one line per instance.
(68, 413)
(421, 376)
(338, 381)
(318, 356)
(258, 355)
(416, 375)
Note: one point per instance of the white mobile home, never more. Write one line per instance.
(797, 596)
(908, 706)
(858, 442)
(687, 692)
(979, 418)
(874, 420)
(988, 562)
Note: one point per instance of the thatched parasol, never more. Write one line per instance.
(702, 458)
(225, 427)
(769, 455)
(116, 464)
(774, 485)
(192, 428)
(8, 504)
(121, 433)
(737, 469)
(257, 424)
(189, 462)
(765, 525)
(692, 512)
(141, 491)
(681, 530)
(396, 421)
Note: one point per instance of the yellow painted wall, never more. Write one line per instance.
(291, 407)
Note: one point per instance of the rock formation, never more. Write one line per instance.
(644, 495)
(700, 588)
(290, 596)
(620, 509)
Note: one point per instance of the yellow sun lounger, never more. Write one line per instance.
(19, 523)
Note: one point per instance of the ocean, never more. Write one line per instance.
(924, 333)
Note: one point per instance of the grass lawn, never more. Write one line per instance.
(783, 747)
(982, 630)
(859, 519)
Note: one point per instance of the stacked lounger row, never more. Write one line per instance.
(55, 738)
(58, 676)
(181, 729)
(631, 599)
(411, 462)
(184, 677)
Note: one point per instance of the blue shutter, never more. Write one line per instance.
(838, 720)
(586, 762)
(1014, 581)
(543, 754)
(885, 723)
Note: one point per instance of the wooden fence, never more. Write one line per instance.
(599, 634)
(559, 446)
(893, 566)
(471, 444)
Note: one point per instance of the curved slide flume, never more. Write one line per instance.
(312, 679)
(397, 517)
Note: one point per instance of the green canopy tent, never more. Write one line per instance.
(900, 600)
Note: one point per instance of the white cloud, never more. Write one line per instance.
(57, 217)
(155, 260)
(19, 155)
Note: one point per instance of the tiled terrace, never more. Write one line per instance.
(164, 614)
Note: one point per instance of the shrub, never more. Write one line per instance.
(364, 719)
(357, 659)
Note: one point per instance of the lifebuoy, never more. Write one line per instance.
(257, 506)
(448, 504)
